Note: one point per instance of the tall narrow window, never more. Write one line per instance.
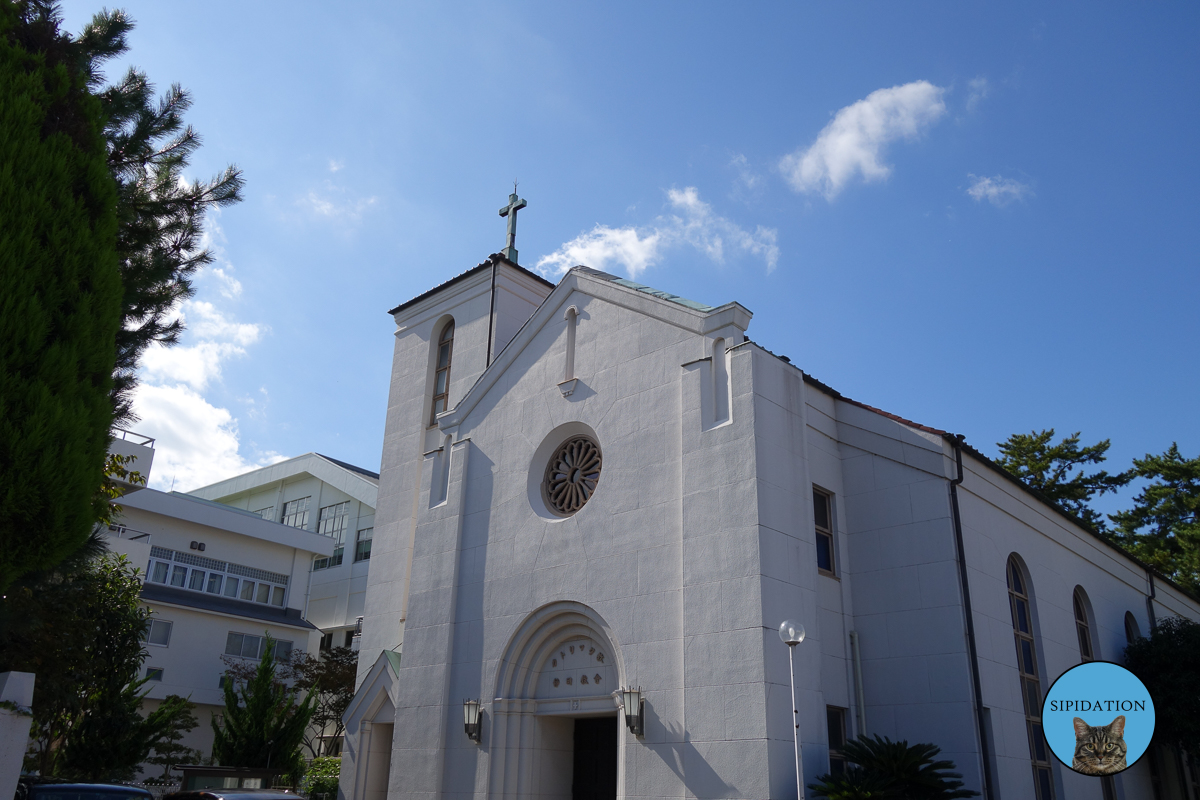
(1132, 631)
(441, 375)
(362, 546)
(835, 721)
(1081, 626)
(1031, 692)
(572, 320)
(720, 373)
(332, 523)
(823, 522)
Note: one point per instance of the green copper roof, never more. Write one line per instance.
(674, 298)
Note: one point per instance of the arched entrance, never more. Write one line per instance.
(556, 733)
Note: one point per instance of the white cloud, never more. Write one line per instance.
(196, 442)
(334, 202)
(199, 363)
(636, 249)
(335, 164)
(979, 89)
(999, 191)
(854, 142)
(747, 179)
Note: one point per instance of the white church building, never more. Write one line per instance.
(594, 486)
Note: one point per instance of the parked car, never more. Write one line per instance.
(39, 790)
(231, 794)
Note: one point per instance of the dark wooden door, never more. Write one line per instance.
(595, 776)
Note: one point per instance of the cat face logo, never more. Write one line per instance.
(1098, 718)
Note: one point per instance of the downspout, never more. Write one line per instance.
(491, 313)
(1150, 598)
(966, 593)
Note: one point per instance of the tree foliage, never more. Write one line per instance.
(169, 750)
(329, 675)
(264, 721)
(1057, 470)
(1166, 662)
(160, 212)
(81, 632)
(1163, 527)
(322, 775)
(60, 293)
(892, 771)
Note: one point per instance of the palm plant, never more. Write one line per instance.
(888, 770)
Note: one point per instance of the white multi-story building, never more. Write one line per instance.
(597, 485)
(327, 497)
(219, 581)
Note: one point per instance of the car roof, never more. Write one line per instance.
(217, 793)
(106, 788)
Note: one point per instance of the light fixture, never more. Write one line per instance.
(635, 710)
(358, 626)
(471, 720)
(792, 634)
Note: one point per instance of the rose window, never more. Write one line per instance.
(572, 475)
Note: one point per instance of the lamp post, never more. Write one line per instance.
(792, 634)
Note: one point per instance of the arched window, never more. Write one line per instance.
(1082, 628)
(441, 377)
(572, 317)
(1132, 631)
(1027, 667)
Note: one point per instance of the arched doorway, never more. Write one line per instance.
(556, 731)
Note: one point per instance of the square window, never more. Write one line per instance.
(264, 593)
(231, 587)
(178, 576)
(197, 580)
(233, 644)
(161, 568)
(214, 583)
(320, 563)
(154, 673)
(250, 646)
(295, 513)
(247, 590)
(277, 596)
(158, 632)
(283, 650)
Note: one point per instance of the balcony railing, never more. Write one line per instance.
(133, 438)
(132, 534)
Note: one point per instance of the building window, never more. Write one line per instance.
(331, 522)
(441, 375)
(1081, 625)
(1027, 667)
(245, 645)
(349, 638)
(1132, 631)
(362, 545)
(267, 513)
(158, 632)
(295, 512)
(154, 673)
(835, 721)
(326, 641)
(201, 574)
(823, 521)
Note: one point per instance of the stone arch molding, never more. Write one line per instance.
(560, 642)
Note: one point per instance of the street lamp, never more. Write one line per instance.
(792, 634)
(635, 710)
(471, 720)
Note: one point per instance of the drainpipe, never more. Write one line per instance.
(966, 593)
(1150, 598)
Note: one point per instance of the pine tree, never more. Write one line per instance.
(264, 720)
(1163, 527)
(60, 293)
(1050, 469)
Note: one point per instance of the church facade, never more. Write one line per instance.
(596, 486)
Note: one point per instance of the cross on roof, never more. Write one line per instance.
(514, 205)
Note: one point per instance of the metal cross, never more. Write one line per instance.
(514, 205)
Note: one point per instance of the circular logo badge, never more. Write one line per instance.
(1098, 718)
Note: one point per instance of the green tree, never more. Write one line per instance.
(169, 749)
(331, 675)
(161, 213)
(81, 632)
(893, 771)
(1166, 662)
(1163, 527)
(322, 775)
(60, 293)
(264, 720)
(1058, 470)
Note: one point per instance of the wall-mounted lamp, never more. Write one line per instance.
(358, 626)
(471, 720)
(635, 710)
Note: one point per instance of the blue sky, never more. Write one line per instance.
(980, 217)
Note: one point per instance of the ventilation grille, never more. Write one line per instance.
(199, 561)
(257, 574)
